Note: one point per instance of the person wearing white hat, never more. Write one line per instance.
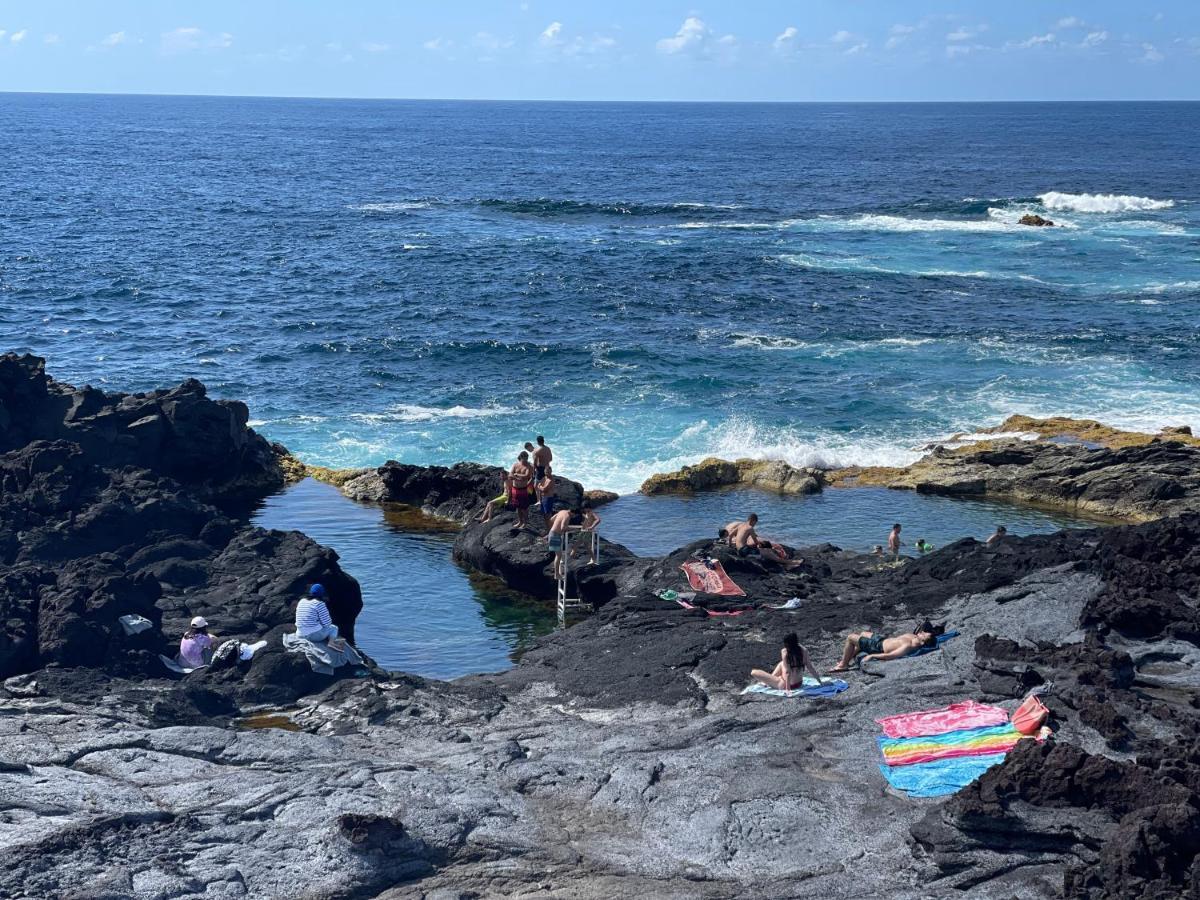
(195, 648)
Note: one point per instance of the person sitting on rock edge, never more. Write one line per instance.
(312, 619)
(196, 645)
(500, 500)
(788, 675)
(876, 647)
(519, 485)
(1000, 534)
(745, 538)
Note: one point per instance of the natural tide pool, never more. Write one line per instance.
(424, 614)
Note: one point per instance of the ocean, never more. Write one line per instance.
(644, 284)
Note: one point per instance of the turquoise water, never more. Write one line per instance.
(425, 615)
(646, 284)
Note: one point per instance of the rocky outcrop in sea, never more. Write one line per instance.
(618, 758)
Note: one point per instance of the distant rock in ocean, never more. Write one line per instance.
(1035, 220)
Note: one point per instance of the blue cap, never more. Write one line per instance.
(316, 591)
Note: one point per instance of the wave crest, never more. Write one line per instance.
(1102, 203)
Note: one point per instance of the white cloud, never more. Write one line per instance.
(1037, 40)
(842, 37)
(1093, 38)
(695, 38)
(1158, 17)
(187, 39)
(786, 39)
(857, 48)
(549, 37)
(692, 35)
(51, 39)
(898, 34)
(2, 34)
(953, 50)
(437, 43)
(334, 46)
(115, 39)
(966, 32)
(1071, 22)
(485, 40)
(18, 36)
(373, 47)
(1151, 54)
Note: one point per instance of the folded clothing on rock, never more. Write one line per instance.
(968, 742)
(710, 577)
(955, 717)
(323, 658)
(941, 776)
(811, 688)
(712, 612)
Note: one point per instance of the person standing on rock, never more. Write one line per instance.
(542, 457)
(312, 618)
(894, 542)
(556, 540)
(520, 479)
(546, 494)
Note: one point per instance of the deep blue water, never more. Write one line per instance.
(645, 283)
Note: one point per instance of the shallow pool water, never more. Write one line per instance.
(421, 612)
(425, 615)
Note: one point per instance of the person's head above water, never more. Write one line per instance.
(317, 590)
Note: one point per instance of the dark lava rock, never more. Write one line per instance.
(1035, 220)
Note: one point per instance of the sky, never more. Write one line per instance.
(804, 50)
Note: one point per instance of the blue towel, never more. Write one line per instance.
(941, 639)
(811, 689)
(940, 777)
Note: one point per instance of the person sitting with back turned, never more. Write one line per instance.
(196, 645)
(877, 647)
(312, 618)
(788, 675)
(745, 538)
(1001, 534)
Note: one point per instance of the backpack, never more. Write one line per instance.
(225, 656)
(1030, 716)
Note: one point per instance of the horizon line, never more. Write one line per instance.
(185, 95)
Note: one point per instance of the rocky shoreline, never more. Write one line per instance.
(618, 758)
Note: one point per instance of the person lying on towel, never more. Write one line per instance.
(877, 647)
(788, 675)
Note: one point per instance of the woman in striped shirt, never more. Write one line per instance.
(312, 617)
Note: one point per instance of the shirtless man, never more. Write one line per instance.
(520, 477)
(546, 493)
(556, 540)
(588, 523)
(882, 648)
(745, 538)
(894, 542)
(1001, 533)
(542, 457)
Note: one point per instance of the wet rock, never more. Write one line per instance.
(767, 474)
(1035, 220)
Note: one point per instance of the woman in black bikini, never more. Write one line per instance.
(789, 674)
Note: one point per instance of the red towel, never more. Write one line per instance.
(710, 580)
(955, 717)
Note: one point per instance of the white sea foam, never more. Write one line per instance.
(399, 206)
(1101, 203)
(901, 223)
(414, 247)
(1171, 287)
(408, 412)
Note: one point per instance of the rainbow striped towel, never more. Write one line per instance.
(970, 742)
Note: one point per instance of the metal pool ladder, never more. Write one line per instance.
(573, 604)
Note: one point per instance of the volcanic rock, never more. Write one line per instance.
(767, 474)
(1035, 220)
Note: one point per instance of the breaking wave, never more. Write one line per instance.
(1102, 203)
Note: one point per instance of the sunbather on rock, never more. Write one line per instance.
(876, 647)
(788, 675)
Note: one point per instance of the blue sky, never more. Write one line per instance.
(619, 49)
